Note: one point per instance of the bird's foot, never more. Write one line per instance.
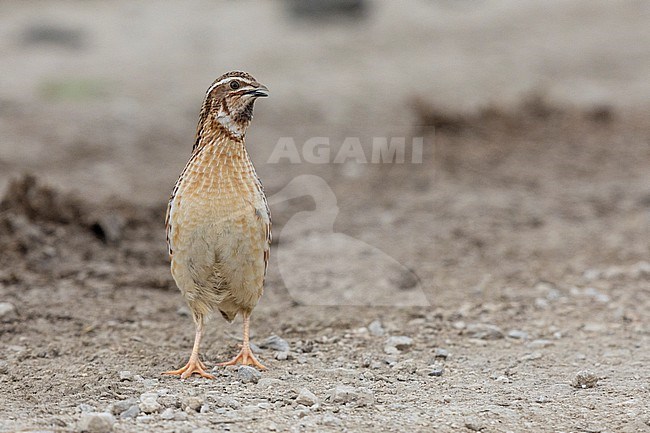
(244, 357)
(193, 366)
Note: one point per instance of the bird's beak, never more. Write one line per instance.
(260, 91)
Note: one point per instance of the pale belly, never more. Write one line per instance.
(219, 249)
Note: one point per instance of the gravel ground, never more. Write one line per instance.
(526, 226)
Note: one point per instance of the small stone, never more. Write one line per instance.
(183, 311)
(192, 403)
(120, 406)
(4, 367)
(406, 366)
(595, 327)
(96, 422)
(168, 400)
(180, 416)
(591, 274)
(330, 420)
(348, 394)
(149, 402)
(542, 399)
(397, 344)
(473, 425)
(131, 412)
(145, 418)
(7, 311)
(584, 379)
(459, 325)
(167, 414)
(268, 382)
(275, 343)
(436, 370)
(503, 379)
(391, 350)
(247, 374)
(484, 331)
(517, 334)
(126, 375)
(83, 407)
(540, 344)
(343, 394)
(441, 353)
(531, 356)
(282, 356)
(227, 402)
(306, 397)
(376, 328)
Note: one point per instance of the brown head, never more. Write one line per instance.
(229, 101)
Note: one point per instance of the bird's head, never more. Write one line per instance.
(230, 100)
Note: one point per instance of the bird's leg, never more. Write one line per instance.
(194, 365)
(245, 355)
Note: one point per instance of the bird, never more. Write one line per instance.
(218, 222)
(322, 267)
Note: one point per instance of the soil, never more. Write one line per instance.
(502, 284)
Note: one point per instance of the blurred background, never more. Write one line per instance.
(527, 219)
(103, 97)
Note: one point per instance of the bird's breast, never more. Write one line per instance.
(218, 186)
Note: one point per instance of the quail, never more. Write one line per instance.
(218, 221)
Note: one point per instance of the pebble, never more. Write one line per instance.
(306, 397)
(7, 311)
(83, 407)
(168, 400)
(223, 401)
(517, 334)
(484, 331)
(131, 412)
(436, 370)
(281, 356)
(441, 353)
(275, 343)
(183, 311)
(247, 374)
(531, 356)
(167, 414)
(120, 406)
(96, 422)
(4, 367)
(376, 328)
(474, 425)
(268, 382)
(330, 420)
(397, 344)
(126, 375)
(539, 344)
(595, 327)
(348, 394)
(584, 379)
(149, 402)
(192, 403)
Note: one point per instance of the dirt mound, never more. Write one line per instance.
(46, 235)
(532, 109)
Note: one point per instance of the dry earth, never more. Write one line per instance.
(527, 225)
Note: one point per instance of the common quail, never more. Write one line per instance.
(218, 220)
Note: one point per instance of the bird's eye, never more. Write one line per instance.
(234, 85)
